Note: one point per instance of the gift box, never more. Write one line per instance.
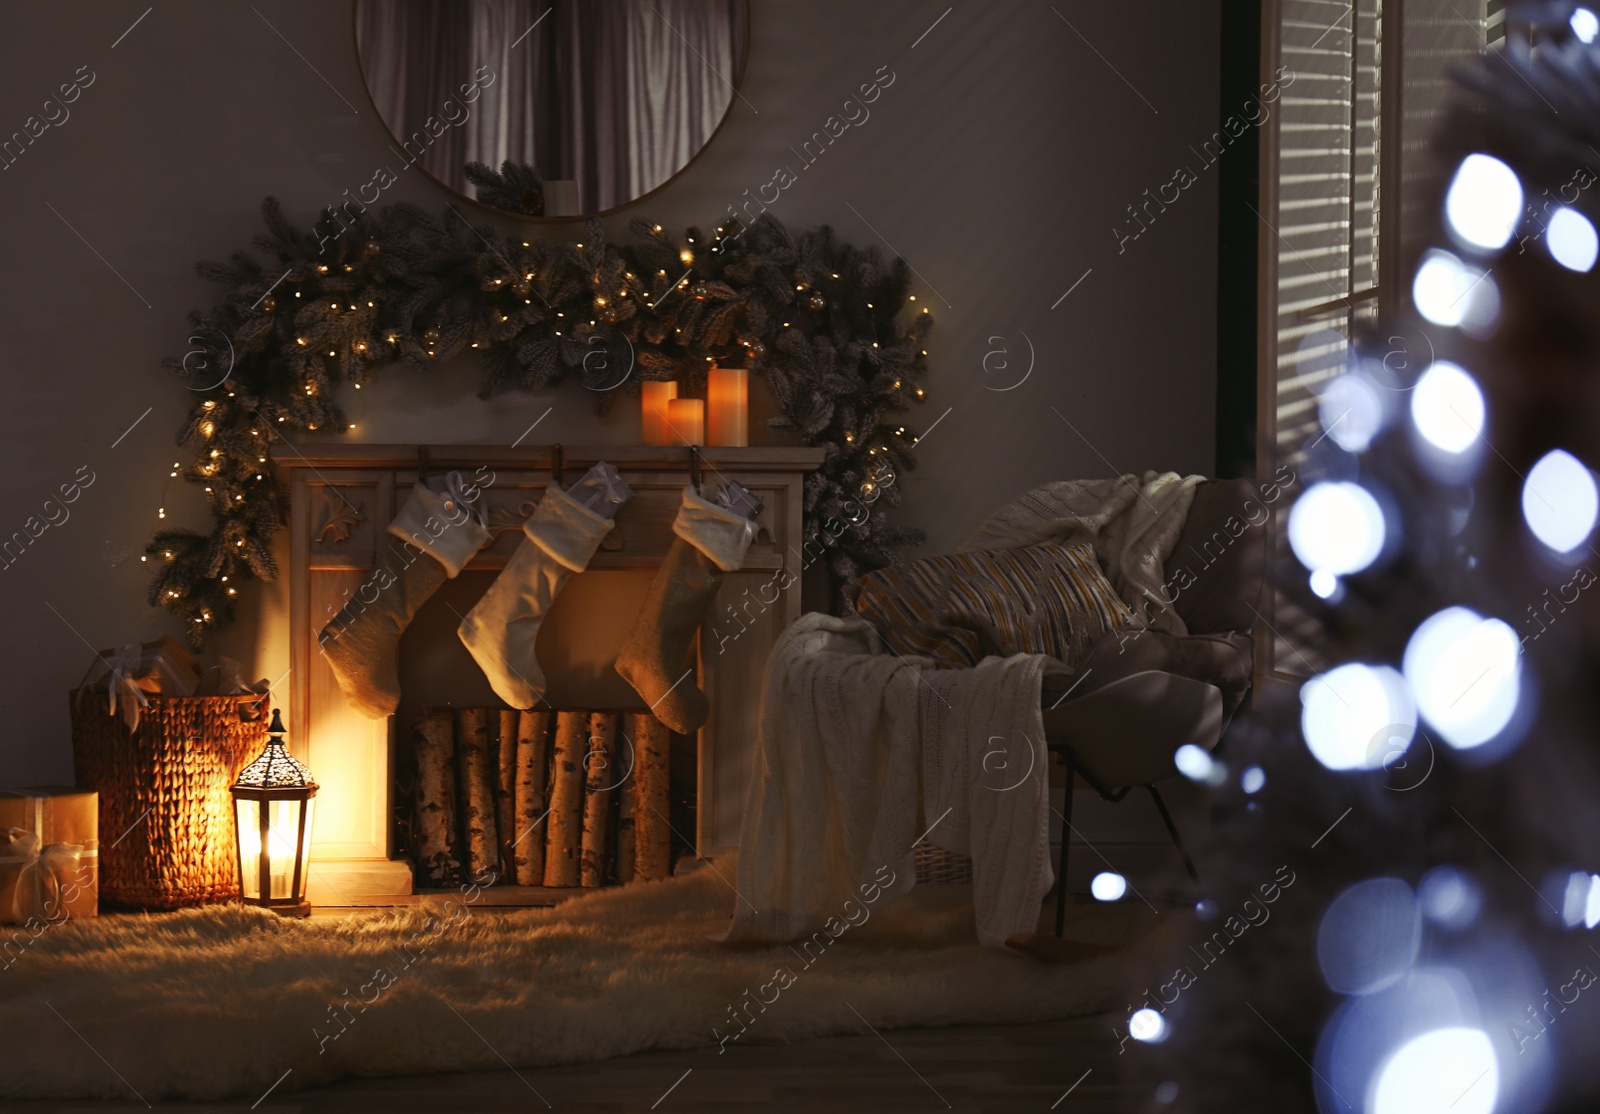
(127, 673)
(49, 854)
(161, 666)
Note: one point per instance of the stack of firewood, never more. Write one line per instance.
(497, 792)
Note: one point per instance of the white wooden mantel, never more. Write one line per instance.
(342, 498)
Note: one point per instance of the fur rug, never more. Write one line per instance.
(221, 1002)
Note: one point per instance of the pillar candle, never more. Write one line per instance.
(728, 406)
(654, 397)
(687, 419)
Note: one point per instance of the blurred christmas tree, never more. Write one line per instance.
(1400, 896)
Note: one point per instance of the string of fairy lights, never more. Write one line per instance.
(405, 289)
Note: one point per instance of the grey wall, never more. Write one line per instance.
(998, 162)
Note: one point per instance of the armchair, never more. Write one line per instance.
(1116, 721)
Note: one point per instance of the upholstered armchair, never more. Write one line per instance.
(1115, 721)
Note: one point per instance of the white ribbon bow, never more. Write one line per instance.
(120, 668)
(38, 892)
(457, 487)
(601, 484)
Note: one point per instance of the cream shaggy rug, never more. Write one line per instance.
(222, 1002)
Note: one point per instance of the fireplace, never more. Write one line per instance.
(343, 497)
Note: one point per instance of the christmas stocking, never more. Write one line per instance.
(712, 541)
(436, 533)
(562, 535)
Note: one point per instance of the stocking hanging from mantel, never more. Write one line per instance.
(438, 530)
(712, 540)
(561, 537)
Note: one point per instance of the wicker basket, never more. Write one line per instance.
(166, 817)
(936, 866)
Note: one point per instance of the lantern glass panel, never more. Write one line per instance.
(286, 838)
(247, 815)
(295, 842)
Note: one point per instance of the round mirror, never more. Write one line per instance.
(552, 109)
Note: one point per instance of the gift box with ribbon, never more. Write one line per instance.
(49, 854)
(125, 675)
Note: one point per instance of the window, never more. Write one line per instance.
(1345, 167)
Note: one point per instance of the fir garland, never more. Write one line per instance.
(363, 290)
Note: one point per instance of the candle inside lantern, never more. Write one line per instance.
(687, 419)
(654, 397)
(728, 406)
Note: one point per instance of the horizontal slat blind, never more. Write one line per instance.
(1330, 146)
(1327, 231)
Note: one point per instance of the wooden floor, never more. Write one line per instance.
(1066, 1066)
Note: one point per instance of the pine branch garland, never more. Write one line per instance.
(332, 305)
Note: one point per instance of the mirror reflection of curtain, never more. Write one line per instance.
(619, 96)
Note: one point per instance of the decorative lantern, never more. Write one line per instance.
(272, 807)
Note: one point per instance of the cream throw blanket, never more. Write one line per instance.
(863, 751)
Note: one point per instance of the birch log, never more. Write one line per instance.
(627, 768)
(652, 744)
(599, 777)
(505, 791)
(433, 740)
(565, 823)
(475, 757)
(533, 758)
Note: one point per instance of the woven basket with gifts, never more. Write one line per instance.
(162, 761)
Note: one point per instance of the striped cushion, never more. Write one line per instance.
(963, 607)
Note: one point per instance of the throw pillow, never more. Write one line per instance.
(962, 607)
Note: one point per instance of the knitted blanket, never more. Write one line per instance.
(849, 732)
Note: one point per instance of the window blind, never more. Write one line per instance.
(1340, 138)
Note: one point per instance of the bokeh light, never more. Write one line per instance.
(1572, 240)
(1484, 202)
(1337, 527)
(1446, 1071)
(1357, 717)
(1449, 898)
(1447, 407)
(1147, 1025)
(1585, 24)
(1108, 886)
(1465, 673)
(1560, 501)
(1253, 779)
(1581, 902)
(1351, 411)
(1449, 292)
(1193, 762)
(1369, 936)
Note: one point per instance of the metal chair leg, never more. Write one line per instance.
(1172, 830)
(1066, 840)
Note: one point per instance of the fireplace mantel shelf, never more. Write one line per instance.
(759, 458)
